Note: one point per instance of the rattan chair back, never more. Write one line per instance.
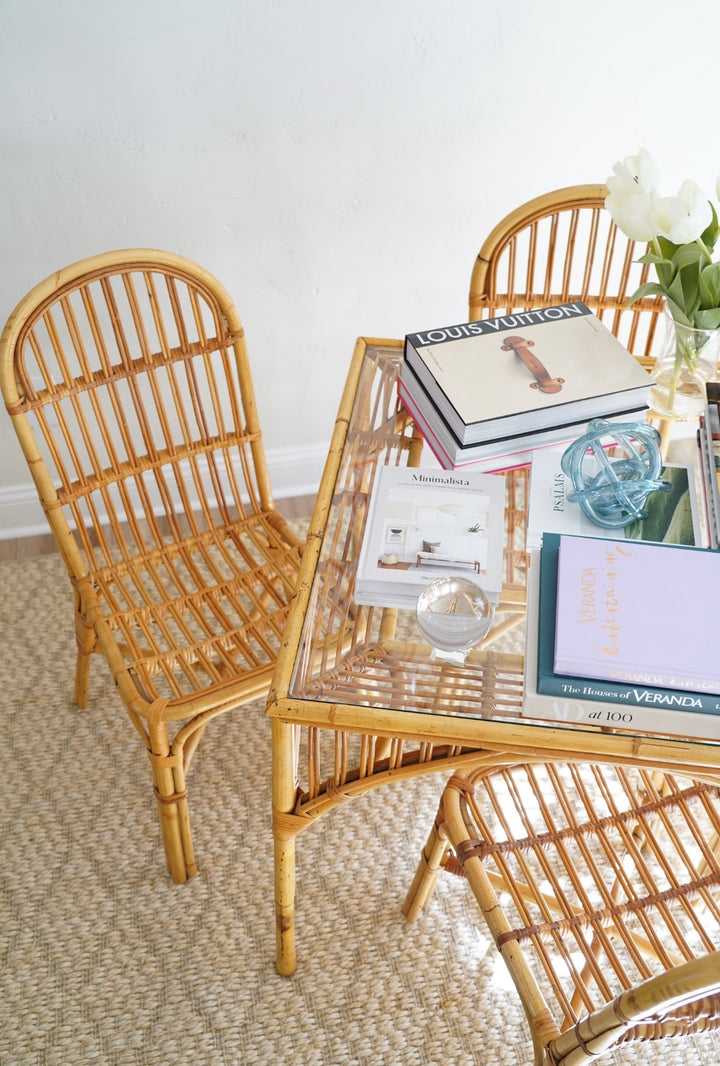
(600, 885)
(126, 377)
(560, 247)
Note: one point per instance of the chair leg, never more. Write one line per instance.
(433, 859)
(85, 640)
(171, 796)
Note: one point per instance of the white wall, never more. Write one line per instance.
(335, 162)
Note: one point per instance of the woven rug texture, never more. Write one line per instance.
(105, 961)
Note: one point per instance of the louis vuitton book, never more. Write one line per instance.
(526, 372)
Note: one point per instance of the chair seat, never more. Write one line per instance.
(200, 614)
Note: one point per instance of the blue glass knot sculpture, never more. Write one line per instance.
(612, 489)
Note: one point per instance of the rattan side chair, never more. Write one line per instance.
(126, 377)
(560, 247)
(600, 885)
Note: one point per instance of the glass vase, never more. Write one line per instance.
(687, 360)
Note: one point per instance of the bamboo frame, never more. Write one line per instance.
(600, 885)
(127, 380)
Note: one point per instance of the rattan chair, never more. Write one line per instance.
(564, 246)
(600, 885)
(126, 377)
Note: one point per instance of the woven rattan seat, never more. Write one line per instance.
(127, 379)
(600, 885)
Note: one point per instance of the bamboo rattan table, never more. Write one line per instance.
(357, 698)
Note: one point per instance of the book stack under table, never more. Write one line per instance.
(624, 634)
(491, 392)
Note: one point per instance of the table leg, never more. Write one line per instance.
(284, 791)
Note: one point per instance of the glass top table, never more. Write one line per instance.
(358, 697)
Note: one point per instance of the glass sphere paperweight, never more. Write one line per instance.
(454, 614)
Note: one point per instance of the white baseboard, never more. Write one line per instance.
(293, 472)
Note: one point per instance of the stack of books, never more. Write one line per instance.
(491, 392)
(619, 634)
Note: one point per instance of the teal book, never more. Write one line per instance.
(564, 686)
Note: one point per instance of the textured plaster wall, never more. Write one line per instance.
(336, 163)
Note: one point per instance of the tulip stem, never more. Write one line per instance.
(703, 248)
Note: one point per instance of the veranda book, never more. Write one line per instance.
(506, 453)
(564, 686)
(672, 514)
(525, 372)
(424, 523)
(638, 612)
(570, 710)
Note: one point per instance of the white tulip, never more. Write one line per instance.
(633, 214)
(636, 173)
(682, 218)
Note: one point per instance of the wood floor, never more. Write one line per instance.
(28, 547)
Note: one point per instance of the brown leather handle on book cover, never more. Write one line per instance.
(522, 348)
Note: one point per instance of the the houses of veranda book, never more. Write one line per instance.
(524, 373)
(635, 693)
(424, 523)
(571, 708)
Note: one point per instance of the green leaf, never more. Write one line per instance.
(708, 319)
(709, 286)
(683, 290)
(650, 257)
(650, 288)
(688, 254)
(710, 235)
(678, 313)
(667, 248)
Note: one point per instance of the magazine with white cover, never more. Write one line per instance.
(426, 523)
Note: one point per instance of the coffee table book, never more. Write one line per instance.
(551, 683)
(525, 372)
(424, 523)
(638, 612)
(672, 515)
(578, 706)
(506, 453)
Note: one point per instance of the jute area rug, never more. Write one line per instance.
(105, 961)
